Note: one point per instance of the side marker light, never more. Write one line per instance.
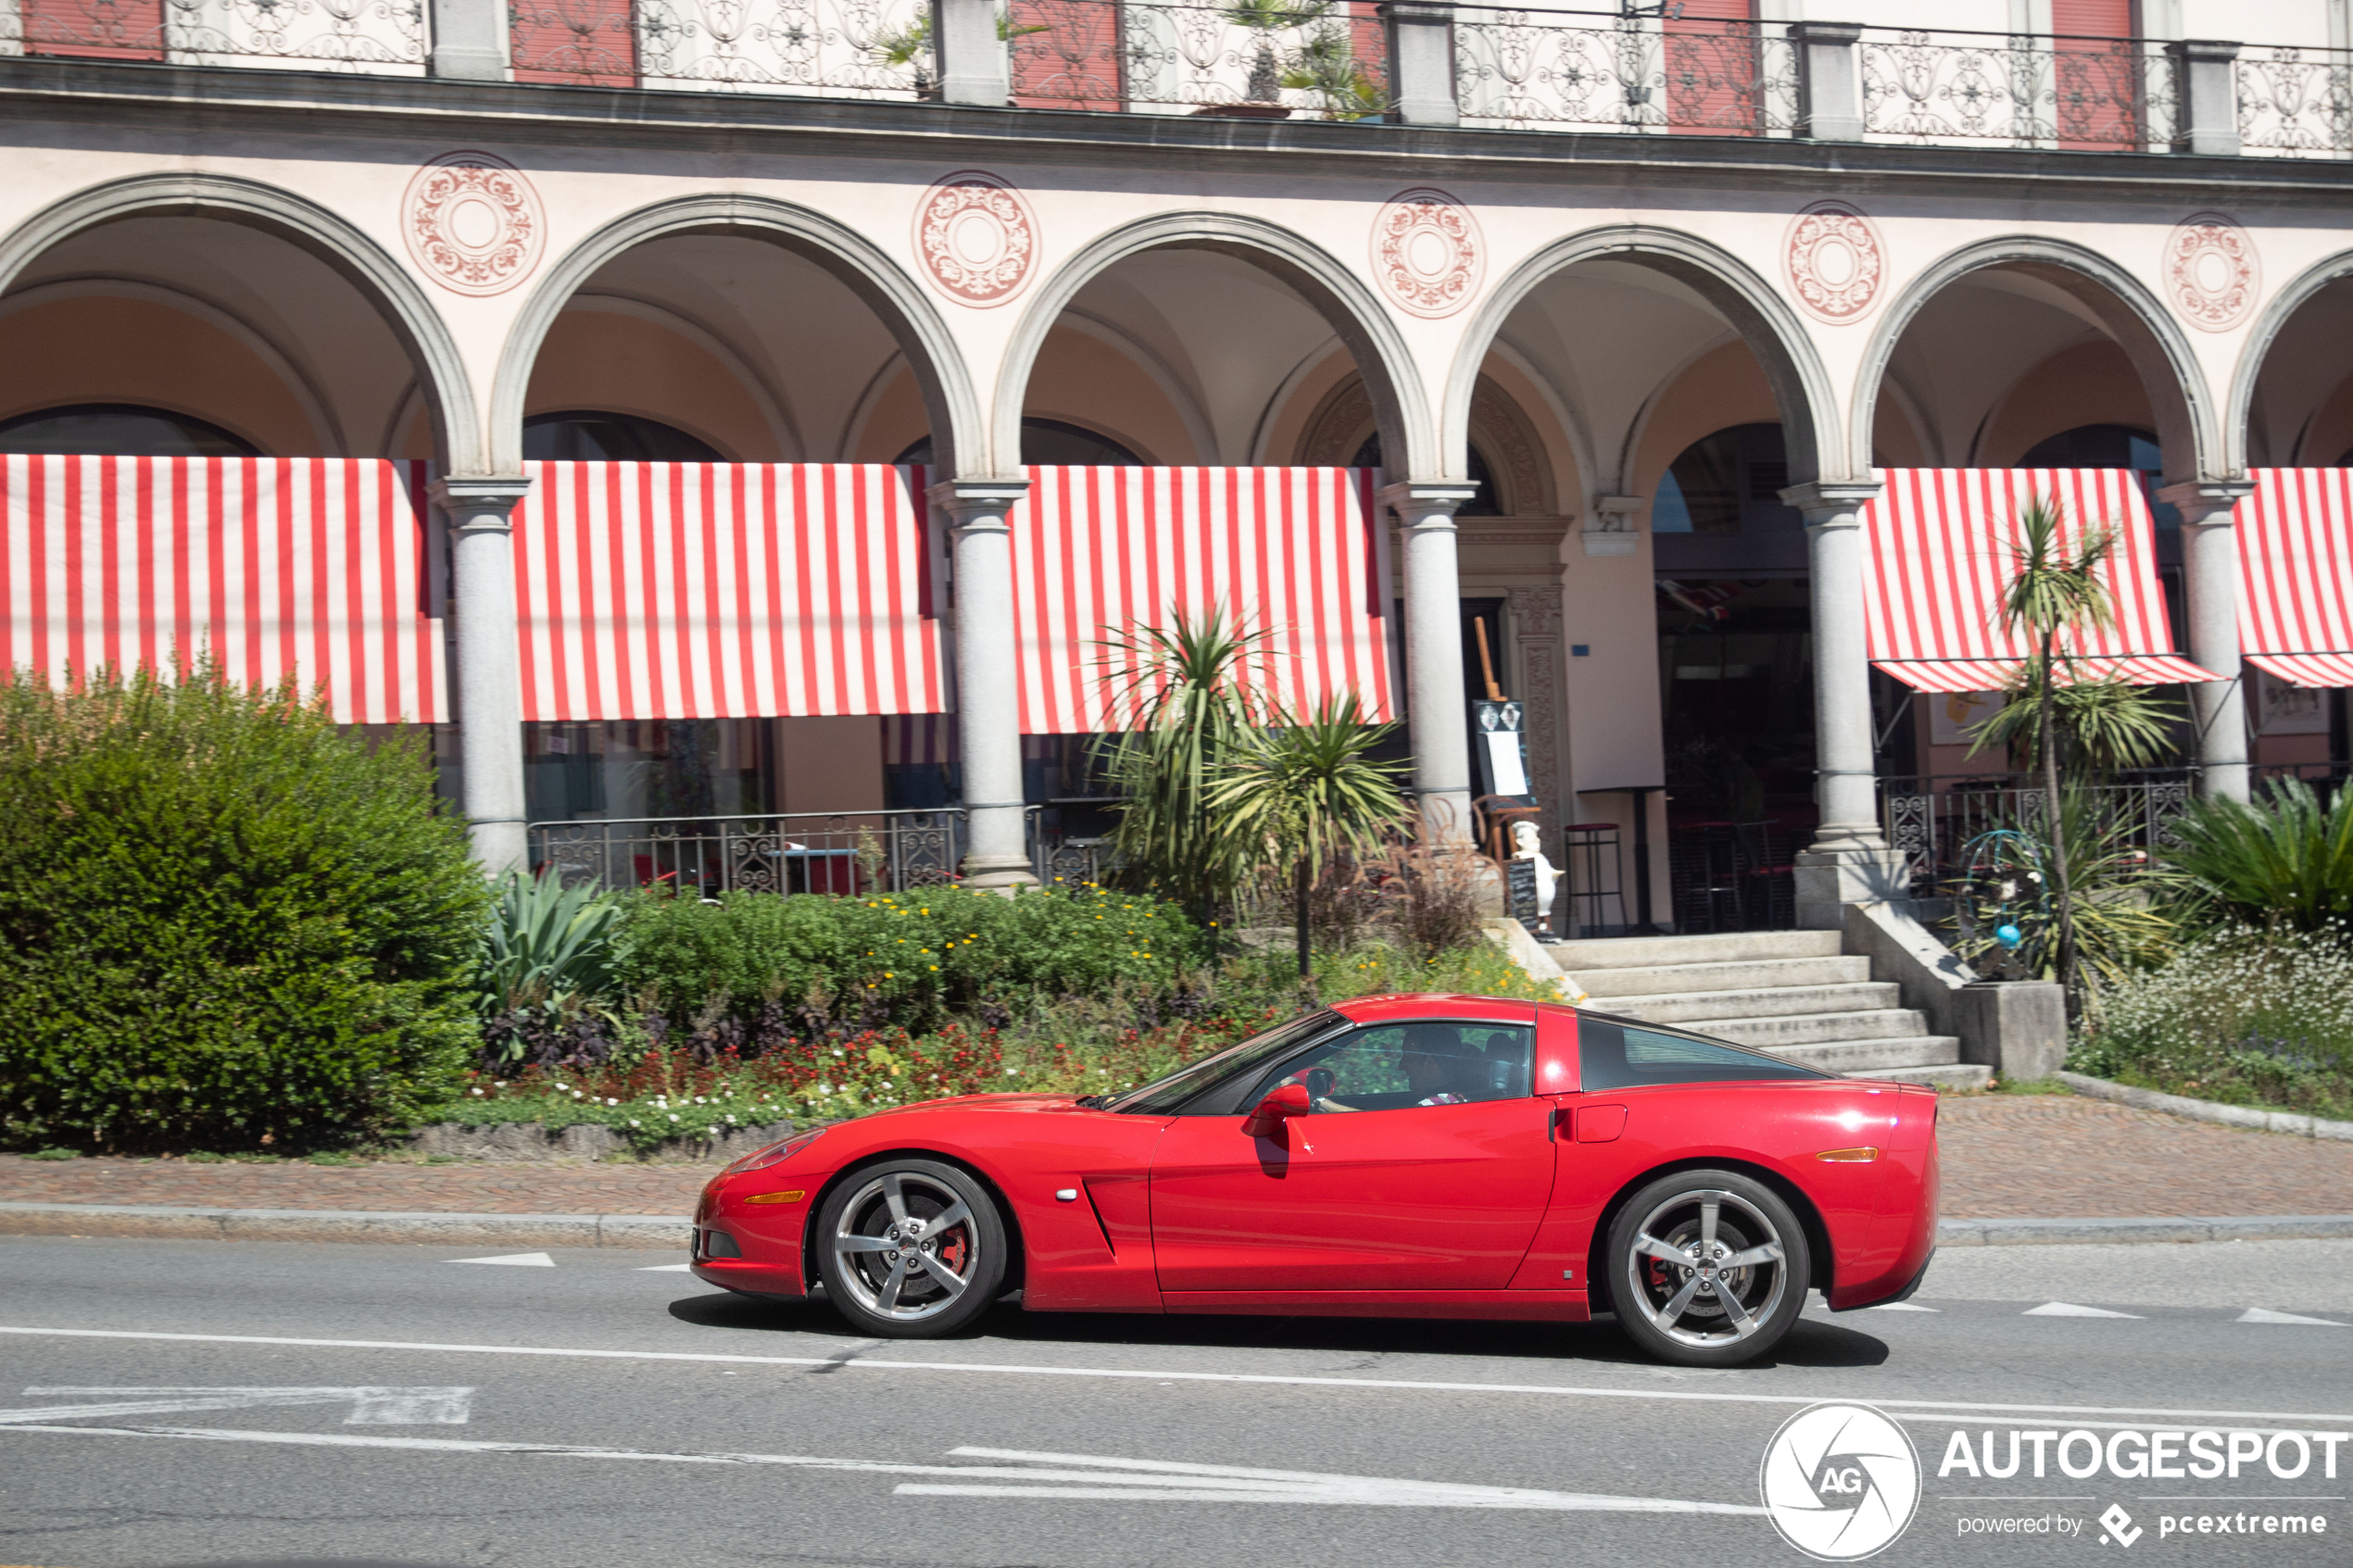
(796, 1197)
(1849, 1156)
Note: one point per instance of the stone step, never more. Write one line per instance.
(1815, 1028)
(1731, 946)
(1953, 1078)
(1680, 1007)
(1750, 975)
(1870, 1057)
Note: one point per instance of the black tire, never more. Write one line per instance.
(1672, 1303)
(942, 1278)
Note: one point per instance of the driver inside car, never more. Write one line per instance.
(1430, 1057)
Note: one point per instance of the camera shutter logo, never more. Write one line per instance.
(1840, 1482)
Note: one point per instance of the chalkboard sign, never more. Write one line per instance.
(1499, 747)
(1519, 888)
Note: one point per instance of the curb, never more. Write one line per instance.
(660, 1231)
(2179, 1227)
(669, 1233)
(2207, 1110)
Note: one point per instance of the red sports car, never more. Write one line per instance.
(1431, 1156)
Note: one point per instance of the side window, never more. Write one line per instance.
(1400, 1066)
(1625, 1056)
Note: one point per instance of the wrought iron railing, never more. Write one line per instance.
(1931, 820)
(1599, 71)
(1273, 59)
(845, 852)
(812, 48)
(2023, 90)
(384, 37)
(2296, 103)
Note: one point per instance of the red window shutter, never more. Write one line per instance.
(1713, 66)
(94, 29)
(2091, 18)
(583, 42)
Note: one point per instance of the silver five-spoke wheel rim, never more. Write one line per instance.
(908, 1245)
(1706, 1268)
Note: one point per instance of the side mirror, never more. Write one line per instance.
(1278, 1108)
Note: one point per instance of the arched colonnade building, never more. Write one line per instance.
(1620, 382)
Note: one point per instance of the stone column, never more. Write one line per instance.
(1829, 86)
(2210, 100)
(2210, 582)
(1848, 862)
(470, 39)
(1434, 654)
(987, 679)
(1421, 64)
(973, 60)
(489, 667)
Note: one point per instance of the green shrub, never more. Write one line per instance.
(907, 960)
(2286, 859)
(2242, 1016)
(224, 922)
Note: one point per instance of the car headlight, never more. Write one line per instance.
(775, 1153)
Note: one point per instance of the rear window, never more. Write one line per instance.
(1627, 1056)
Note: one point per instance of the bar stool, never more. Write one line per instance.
(1591, 849)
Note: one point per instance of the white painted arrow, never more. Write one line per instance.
(516, 1260)
(2265, 1314)
(2068, 1310)
(371, 1406)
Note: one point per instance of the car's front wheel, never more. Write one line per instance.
(1707, 1268)
(910, 1248)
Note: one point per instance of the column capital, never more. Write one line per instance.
(480, 501)
(1825, 500)
(1841, 33)
(1417, 501)
(970, 502)
(2204, 51)
(2207, 501)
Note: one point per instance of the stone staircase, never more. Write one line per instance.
(1793, 993)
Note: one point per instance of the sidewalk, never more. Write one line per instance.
(2005, 1156)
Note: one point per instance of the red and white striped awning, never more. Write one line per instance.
(1938, 546)
(1299, 551)
(2295, 575)
(320, 569)
(726, 590)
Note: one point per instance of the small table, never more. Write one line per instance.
(1643, 925)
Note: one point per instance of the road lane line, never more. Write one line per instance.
(1204, 1484)
(1976, 1409)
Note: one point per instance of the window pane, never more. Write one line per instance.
(1616, 1056)
(1234, 1065)
(1399, 1066)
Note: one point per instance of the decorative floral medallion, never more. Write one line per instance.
(1835, 261)
(474, 223)
(2212, 271)
(976, 238)
(1427, 253)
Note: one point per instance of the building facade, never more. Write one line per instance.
(1621, 322)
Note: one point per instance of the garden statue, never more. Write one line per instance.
(1528, 845)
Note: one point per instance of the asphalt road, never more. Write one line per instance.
(165, 1403)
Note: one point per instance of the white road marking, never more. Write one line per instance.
(518, 1260)
(2265, 1314)
(1200, 1483)
(1898, 1307)
(370, 1405)
(665, 1269)
(2068, 1310)
(1883, 1400)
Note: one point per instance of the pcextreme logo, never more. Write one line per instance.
(1840, 1482)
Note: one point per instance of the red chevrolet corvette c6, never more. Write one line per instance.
(1423, 1156)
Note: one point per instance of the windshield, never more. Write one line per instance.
(1162, 1097)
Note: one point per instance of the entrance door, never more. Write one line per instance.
(1424, 1166)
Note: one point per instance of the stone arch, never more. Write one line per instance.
(1764, 320)
(921, 331)
(2261, 339)
(2133, 317)
(1334, 293)
(386, 286)
(1516, 455)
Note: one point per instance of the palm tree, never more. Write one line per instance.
(1186, 694)
(1304, 795)
(2054, 589)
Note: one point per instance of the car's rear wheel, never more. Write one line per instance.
(1707, 1268)
(910, 1248)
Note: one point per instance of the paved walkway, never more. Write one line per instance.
(2005, 1157)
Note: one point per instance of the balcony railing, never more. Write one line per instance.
(1495, 68)
(1931, 821)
